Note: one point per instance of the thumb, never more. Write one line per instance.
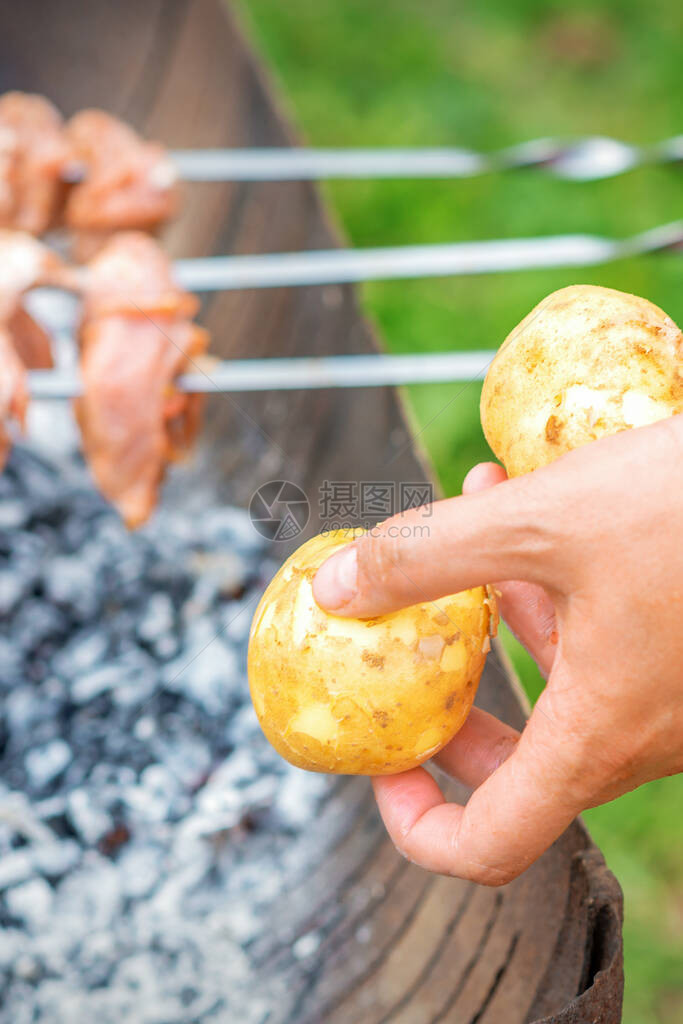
(509, 531)
(513, 815)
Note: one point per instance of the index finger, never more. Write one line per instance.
(512, 531)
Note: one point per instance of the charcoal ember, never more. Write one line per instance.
(21, 818)
(24, 708)
(145, 823)
(86, 650)
(36, 622)
(243, 727)
(11, 664)
(31, 902)
(240, 920)
(233, 792)
(77, 529)
(35, 480)
(141, 868)
(13, 943)
(111, 779)
(223, 573)
(90, 821)
(158, 618)
(27, 968)
(157, 797)
(44, 764)
(91, 893)
(89, 685)
(13, 586)
(15, 867)
(165, 647)
(185, 763)
(112, 841)
(69, 583)
(27, 551)
(129, 680)
(135, 690)
(145, 728)
(295, 793)
(227, 527)
(221, 811)
(206, 671)
(55, 858)
(234, 619)
(14, 515)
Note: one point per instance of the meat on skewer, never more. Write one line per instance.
(13, 391)
(94, 173)
(136, 337)
(31, 342)
(24, 264)
(127, 183)
(34, 161)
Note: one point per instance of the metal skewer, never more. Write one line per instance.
(301, 373)
(584, 159)
(336, 266)
(339, 265)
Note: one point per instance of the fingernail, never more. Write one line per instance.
(336, 580)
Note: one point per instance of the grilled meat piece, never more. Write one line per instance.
(35, 157)
(127, 183)
(136, 337)
(13, 391)
(31, 342)
(26, 263)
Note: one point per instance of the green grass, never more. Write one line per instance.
(484, 76)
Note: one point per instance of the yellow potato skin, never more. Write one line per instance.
(362, 696)
(586, 362)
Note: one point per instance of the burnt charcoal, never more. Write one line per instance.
(13, 515)
(16, 867)
(12, 588)
(87, 817)
(31, 903)
(145, 822)
(86, 650)
(69, 583)
(35, 622)
(54, 859)
(43, 764)
(158, 618)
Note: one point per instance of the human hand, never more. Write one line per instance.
(594, 545)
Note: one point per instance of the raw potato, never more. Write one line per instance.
(586, 362)
(362, 696)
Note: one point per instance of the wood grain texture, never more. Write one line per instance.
(395, 944)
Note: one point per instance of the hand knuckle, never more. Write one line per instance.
(486, 874)
(380, 556)
(504, 747)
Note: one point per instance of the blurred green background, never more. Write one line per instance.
(439, 72)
